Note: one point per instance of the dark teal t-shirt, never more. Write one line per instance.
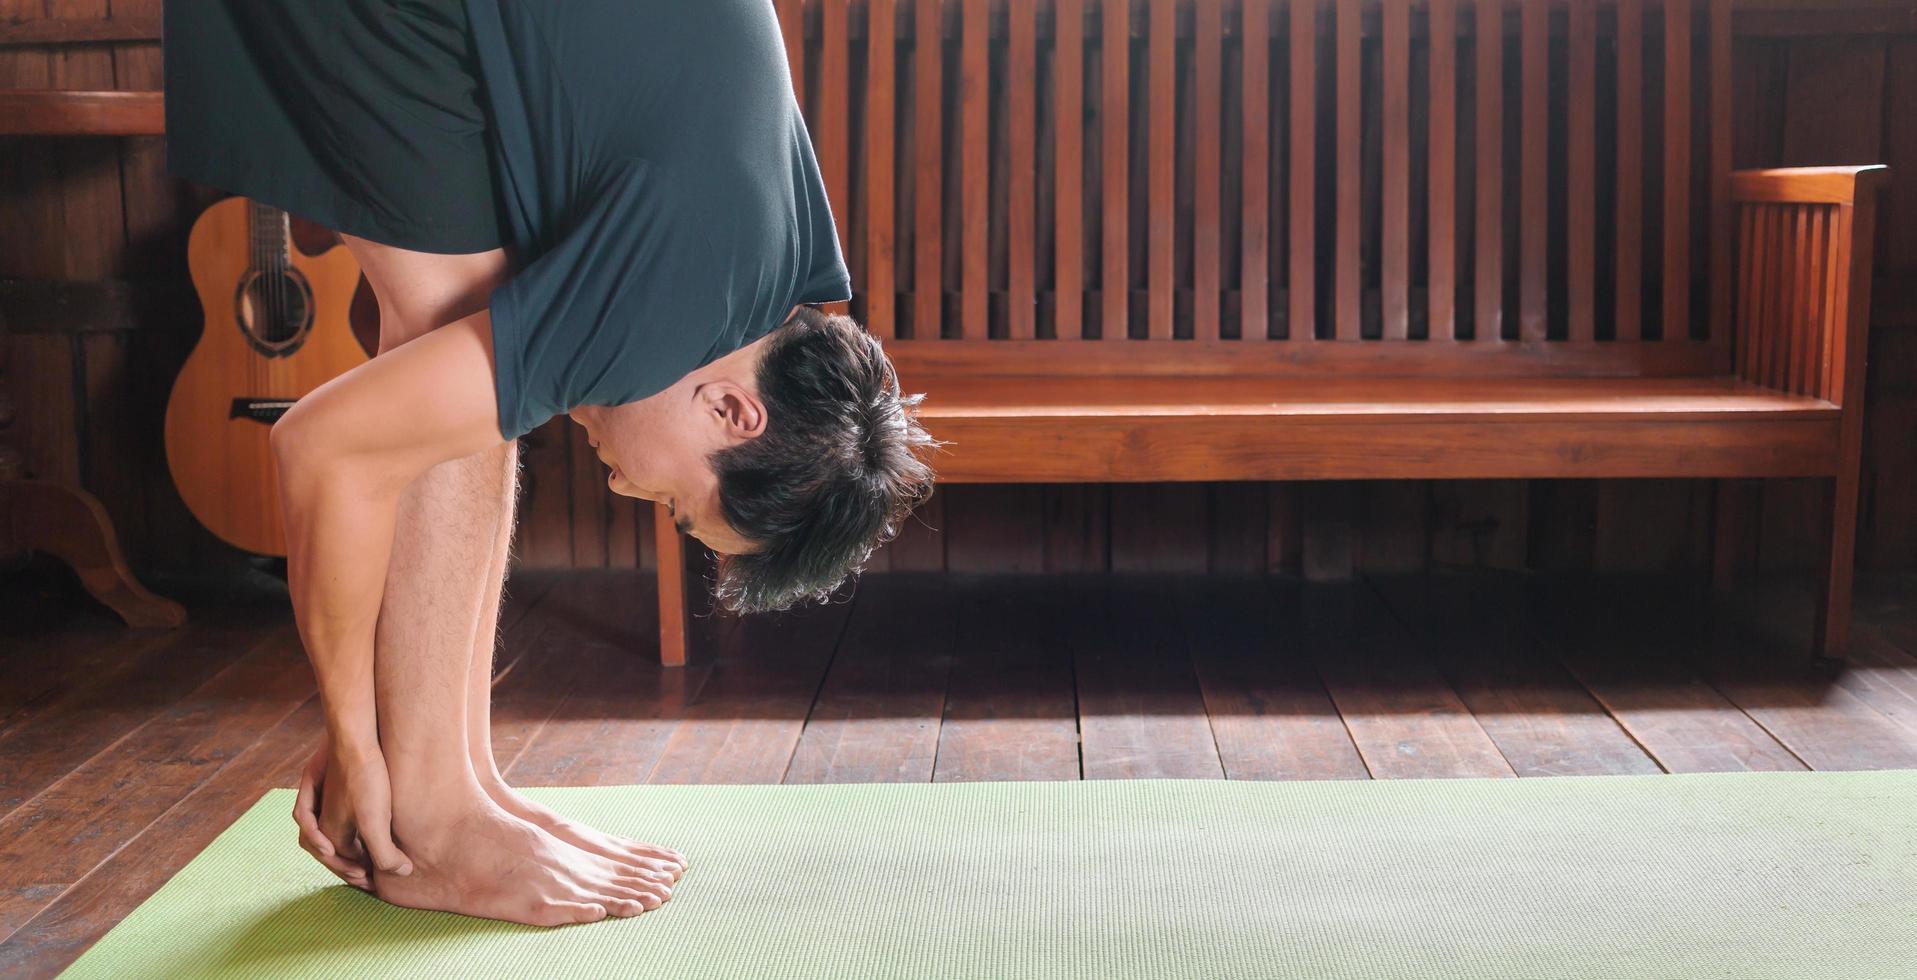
(661, 189)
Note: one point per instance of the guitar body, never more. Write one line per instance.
(276, 328)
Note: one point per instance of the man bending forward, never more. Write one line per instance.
(603, 208)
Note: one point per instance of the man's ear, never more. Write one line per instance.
(736, 408)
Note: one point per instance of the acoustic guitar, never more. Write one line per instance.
(277, 327)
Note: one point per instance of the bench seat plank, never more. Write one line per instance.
(1412, 399)
(1129, 429)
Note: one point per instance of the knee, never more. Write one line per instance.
(309, 443)
(295, 441)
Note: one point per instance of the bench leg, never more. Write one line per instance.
(69, 524)
(1832, 634)
(1730, 534)
(671, 554)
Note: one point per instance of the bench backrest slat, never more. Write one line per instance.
(1317, 172)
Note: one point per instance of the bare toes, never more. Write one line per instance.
(564, 913)
(624, 906)
(645, 889)
(638, 883)
(657, 853)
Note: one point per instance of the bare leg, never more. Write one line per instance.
(473, 856)
(662, 860)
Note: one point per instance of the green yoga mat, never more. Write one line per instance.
(1799, 875)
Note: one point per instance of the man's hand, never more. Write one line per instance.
(344, 813)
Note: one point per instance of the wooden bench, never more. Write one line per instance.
(1365, 246)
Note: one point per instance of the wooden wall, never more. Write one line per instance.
(93, 289)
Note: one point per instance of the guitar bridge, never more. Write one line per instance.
(264, 410)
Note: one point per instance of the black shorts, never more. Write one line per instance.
(365, 116)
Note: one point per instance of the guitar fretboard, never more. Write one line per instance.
(268, 228)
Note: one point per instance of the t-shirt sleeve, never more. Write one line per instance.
(613, 312)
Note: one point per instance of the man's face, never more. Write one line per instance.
(655, 453)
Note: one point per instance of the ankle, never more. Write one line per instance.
(427, 794)
(427, 826)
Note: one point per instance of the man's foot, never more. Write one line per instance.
(481, 860)
(624, 850)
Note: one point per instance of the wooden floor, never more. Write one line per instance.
(123, 753)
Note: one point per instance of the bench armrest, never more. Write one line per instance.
(1802, 277)
(59, 112)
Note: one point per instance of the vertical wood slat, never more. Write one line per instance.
(1441, 296)
(1790, 246)
(1781, 275)
(791, 14)
(1161, 130)
(1677, 169)
(1630, 168)
(1813, 269)
(1207, 54)
(1817, 316)
(1254, 284)
(1301, 206)
(1837, 303)
(1395, 264)
(673, 604)
(1721, 208)
(880, 287)
(1115, 129)
(1580, 170)
(1534, 127)
(1348, 187)
(1021, 125)
(1775, 268)
(792, 28)
(1069, 154)
(1762, 287)
(833, 111)
(586, 511)
(1835, 335)
(1488, 287)
(1760, 236)
(974, 168)
(928, 151)
(1747, 251)
(1790, 339)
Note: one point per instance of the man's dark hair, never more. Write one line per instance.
(833, 475)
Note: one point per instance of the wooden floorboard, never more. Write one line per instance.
(1883, 676)
(1542, 720)
(91, 709)
(1010, 709)
(877, 715)
(83, 913)
(124, 753)
(55, 838)
(745, 722)
(1270, 714)
(1659, 698)
(1756, 652)
(1402, 713)
(1141, 712)
(592, 707)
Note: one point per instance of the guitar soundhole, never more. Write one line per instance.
(274, 310)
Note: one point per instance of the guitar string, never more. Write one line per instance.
(276, 312)
(256, 293)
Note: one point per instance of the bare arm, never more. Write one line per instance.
(345, 453)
